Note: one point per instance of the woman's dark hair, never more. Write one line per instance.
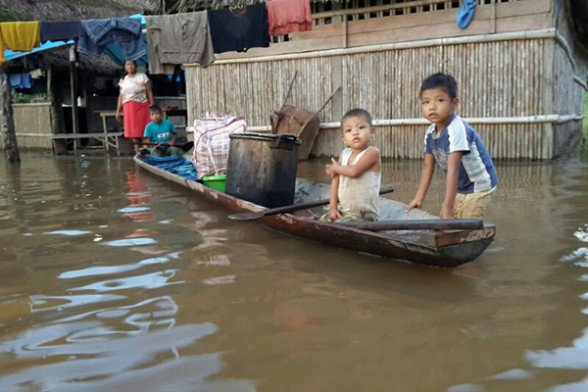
(443, 81)
(357, 113)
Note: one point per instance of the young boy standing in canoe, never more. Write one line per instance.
(456, 147)
(355, 185)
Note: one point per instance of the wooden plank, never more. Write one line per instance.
(28, 105)
(98, 135)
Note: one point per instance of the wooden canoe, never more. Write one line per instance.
(447, 248)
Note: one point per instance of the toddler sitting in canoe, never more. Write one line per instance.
(355, 184)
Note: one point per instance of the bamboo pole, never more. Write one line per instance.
(550, 118)
(73, 80)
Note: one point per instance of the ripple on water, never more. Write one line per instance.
(40, 303)
(102, 356)
(115, 269)
(130, 242)
(152, 280)
(71, 233)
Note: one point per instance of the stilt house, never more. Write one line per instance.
(521, 66)
(69, 103)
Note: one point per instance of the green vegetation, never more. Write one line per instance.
(21, 98)
(11, 15)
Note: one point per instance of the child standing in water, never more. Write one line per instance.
(456, 147)
(355, 185)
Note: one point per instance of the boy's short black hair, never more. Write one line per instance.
(155, 109)
(357, 113)
(440, 80)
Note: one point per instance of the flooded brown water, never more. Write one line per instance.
(114, 280)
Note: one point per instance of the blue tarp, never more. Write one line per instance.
(175, 164)
(11, 55)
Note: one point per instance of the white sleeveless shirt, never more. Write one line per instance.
(360, 193)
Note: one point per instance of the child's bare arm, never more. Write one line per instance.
(453, 164)
(334, 213)
(424, 182)
(369, 160)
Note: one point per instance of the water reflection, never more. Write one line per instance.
(138, 197)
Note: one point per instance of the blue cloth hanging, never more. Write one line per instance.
(465, 14)
(20, 81)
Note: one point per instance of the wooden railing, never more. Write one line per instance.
(335, 13)
(369, 9)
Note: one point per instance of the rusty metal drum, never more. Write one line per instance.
(262, 168)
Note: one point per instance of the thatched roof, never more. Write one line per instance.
(58, 10)
(173, 6)
(59, 59)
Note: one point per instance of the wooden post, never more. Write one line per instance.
(493, 17)
(7, 132)
(73, 81)
(57, 121)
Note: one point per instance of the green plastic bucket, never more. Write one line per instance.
(215, 182)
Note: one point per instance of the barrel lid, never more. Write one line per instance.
(270, 137)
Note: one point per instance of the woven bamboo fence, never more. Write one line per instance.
(496, 80)
(33, 125)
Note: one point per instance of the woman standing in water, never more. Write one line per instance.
(134, 99)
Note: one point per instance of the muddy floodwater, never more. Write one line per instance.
(112, 279)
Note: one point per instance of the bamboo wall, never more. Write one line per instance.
(496, 79)
(32, 123)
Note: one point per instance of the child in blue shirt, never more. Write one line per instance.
(456, 147)
(162, 132)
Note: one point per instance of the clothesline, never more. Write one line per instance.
(161, 41)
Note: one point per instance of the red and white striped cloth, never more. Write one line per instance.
(211, 143)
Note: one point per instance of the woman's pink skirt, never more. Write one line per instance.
(136, 118)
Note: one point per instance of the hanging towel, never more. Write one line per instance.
(60, 31)
(287, 16)
(98, 33)
(240, 29)
(465, 14)
(178, 39)
(20, 36)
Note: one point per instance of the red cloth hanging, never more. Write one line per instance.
(287, 16)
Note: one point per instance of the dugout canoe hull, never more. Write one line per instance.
(449, 248)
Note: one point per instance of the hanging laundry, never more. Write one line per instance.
(20, 81)
(239, 29)
(37, 73)
(60, 31)
(98, 33)
(287, 16)
(465, 14)
(178, 39)
(20, 36)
